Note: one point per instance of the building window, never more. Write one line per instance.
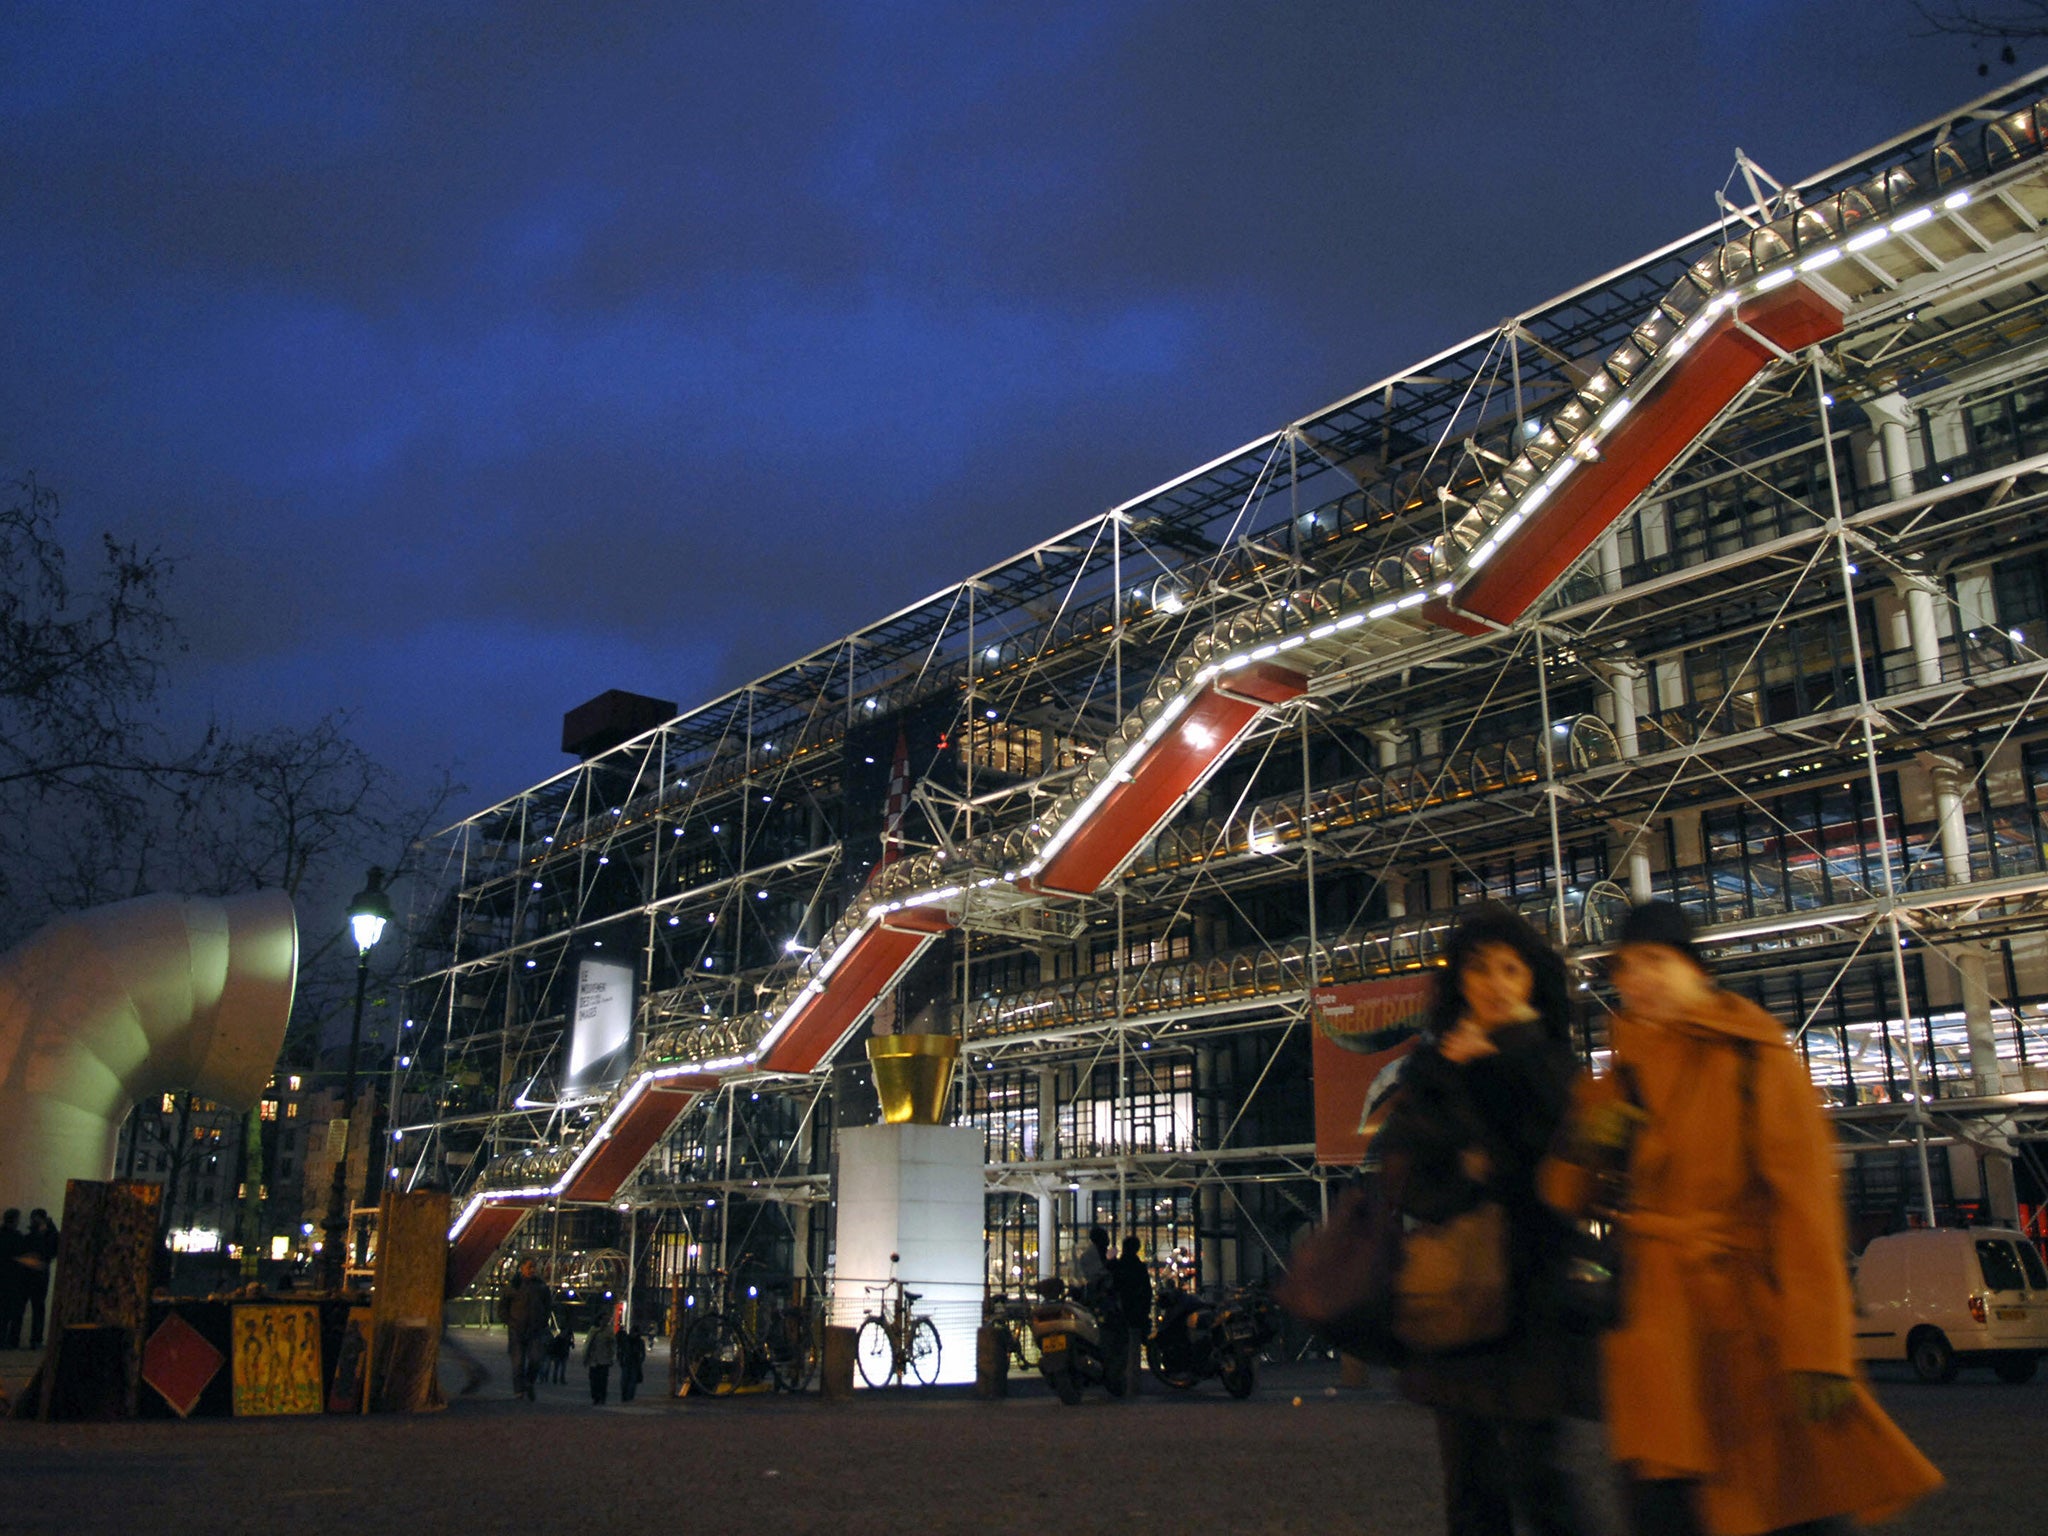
(1014, 750)
(270, 1109)
(291, 1111)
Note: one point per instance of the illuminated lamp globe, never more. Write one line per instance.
(368, 912)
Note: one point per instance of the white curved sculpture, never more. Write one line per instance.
(123, 1002)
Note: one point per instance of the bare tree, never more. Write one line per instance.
(80, 666)
(2016, 21)
(99, 801)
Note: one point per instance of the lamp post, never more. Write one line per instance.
(367, 915)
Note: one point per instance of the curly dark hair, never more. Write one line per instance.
(1488, 922)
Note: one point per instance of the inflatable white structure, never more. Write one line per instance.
(123, 1002)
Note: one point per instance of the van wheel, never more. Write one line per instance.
(2016, 1368)
(1933, 1360)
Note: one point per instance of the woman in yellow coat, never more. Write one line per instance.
(1733, 1403)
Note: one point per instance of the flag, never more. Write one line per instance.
(899, 800)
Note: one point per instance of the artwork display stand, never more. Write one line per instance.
(92, 1362)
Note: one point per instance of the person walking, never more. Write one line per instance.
(38, 1260)
(1091, 1264)
(632, 1352)
(1133, 1282)
(561, 1342)
(600, 1349)
(1480, 1103)
(13, 1278)
(1733, 1402)
(528, 1304)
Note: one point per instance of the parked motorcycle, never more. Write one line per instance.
(1080, 1344)
(1198, 1339)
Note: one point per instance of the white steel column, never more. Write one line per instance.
(1893, 418)
(1624, 677)
(1048, 1193)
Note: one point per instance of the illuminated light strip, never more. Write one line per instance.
(603, 1133)
(816, 985)
(468, 1215)
(1911, 220)
(1867, 239)
(1777, 279)
(1819, 259)
(1121, 772)
(1292, 641)
(1956, 199)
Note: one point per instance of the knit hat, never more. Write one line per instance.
(1661, 922)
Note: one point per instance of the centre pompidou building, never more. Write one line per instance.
(1721, 578)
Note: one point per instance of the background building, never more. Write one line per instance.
(1793, 688)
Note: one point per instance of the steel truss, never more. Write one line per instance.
(1829, 541)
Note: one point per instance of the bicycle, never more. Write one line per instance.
(1011, 1318)
(730, 1347)
(892, 1342)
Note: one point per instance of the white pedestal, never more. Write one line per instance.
(914, 1191)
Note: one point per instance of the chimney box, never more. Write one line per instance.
(612, 717)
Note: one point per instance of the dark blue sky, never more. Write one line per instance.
(476, 358)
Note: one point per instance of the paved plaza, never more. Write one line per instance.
(1342, 1460)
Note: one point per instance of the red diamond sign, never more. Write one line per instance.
(178, 1362)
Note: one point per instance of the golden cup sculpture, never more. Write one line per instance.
(913, 1074)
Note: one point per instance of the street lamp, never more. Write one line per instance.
(367, 915)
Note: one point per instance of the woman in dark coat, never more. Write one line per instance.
(1479, 1103)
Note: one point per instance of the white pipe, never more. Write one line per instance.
(121, 1003)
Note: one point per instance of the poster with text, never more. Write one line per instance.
(1363, 1032)
(600, 1028)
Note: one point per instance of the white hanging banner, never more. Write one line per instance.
(600, 1028)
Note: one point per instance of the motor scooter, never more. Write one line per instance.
(1198, 1339)
(1081, 1342)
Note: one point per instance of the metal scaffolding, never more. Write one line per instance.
(1765, 650)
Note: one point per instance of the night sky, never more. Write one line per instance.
(475, 359)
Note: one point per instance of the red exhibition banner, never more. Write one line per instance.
(1363, 1030)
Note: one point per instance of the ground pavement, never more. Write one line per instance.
(1335, 1461)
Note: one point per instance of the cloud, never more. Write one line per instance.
(474, 356)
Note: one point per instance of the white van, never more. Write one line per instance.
(1952, 1296)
